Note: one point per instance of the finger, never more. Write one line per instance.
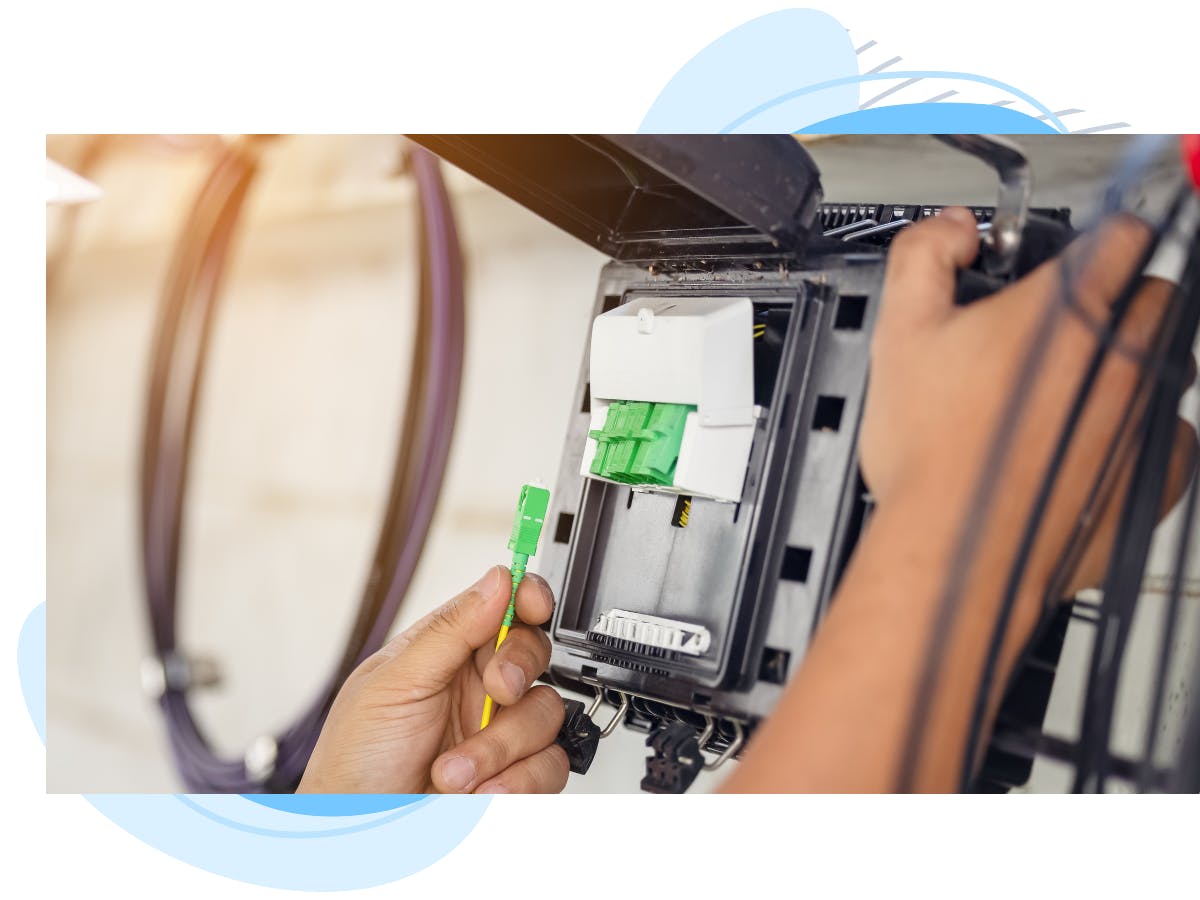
(1144, 319)
(535, 605)
(508, 672)
(1123, 361)
(923, 263)
(545, 772)
(529, 725)
(1182, 466)
(1078, 339)
(1097, 265)
(535, 600)
(1101, 263)
(428, 655)
(1184, 454)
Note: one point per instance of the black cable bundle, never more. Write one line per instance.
(1123, 582)
(179, 354)
(1100, 492)
(1161, 376)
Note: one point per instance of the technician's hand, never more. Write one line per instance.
(940, 378)
(941, 375)
(407, 719)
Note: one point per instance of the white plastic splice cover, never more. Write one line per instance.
(695, 350)
(692, 350)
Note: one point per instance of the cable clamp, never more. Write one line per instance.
(735, 745)
(617, 717)
(175, 672)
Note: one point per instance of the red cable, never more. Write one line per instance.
(1190, 145)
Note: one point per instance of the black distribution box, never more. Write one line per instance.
(689, 614)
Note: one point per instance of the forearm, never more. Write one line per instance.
(941, 379)
(843, 722)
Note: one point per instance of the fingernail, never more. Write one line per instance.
(959, 214)
(457, 772)
(514, 677)
(495, 789)
(544, 587)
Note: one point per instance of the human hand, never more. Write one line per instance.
(941, 375)
(940, 378)
(407, 719)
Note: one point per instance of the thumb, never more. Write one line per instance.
(918, 287)
(430, 653)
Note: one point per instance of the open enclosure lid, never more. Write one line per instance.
(647, 198)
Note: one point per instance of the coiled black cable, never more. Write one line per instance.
(189, 301)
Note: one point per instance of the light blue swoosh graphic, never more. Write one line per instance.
(753, 115)
(329, 805)
(789, 70)
(754, 63)
(378, 852)
(228, 809)
(31, 666)
(304, 843)
(931, 118)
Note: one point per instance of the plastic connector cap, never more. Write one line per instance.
(640, 442)
(530, 516)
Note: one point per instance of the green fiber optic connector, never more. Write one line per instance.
(639, 443)
(527, 528)
(523, 542)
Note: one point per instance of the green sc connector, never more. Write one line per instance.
(639, 443)
(527, 528)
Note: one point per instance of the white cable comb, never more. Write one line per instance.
(653, 631)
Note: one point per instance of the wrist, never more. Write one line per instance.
(921, 532)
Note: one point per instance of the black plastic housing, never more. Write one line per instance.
(703, 216)
(654, 198)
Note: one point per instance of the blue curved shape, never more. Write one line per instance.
(932, 118)
(31, 666)
(754, 62)
(358, 823)
(334, 804)
(382, 851)
(305, 843)
(775, 102)
(239, 811)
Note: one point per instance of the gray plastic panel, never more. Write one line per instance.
(724, 569)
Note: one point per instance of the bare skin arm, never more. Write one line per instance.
(940, 376)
